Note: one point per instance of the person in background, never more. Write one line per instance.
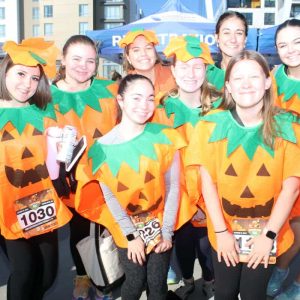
(249, 178)
(137, 165)
(87, 103)
(141, 57)
(181, 110)
(231, 37)
(287, 82)
(31, 211)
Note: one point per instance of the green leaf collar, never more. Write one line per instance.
(286, 85)
(215, 76)
(129, 152)
(21, 116)
(248, 137)
(77, 101)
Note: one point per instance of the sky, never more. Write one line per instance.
(152, 6)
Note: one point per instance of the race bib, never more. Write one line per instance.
(244, 230)
(36, 213)
(149, 230)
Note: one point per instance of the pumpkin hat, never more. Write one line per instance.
(32, 52)
(131, 35)
(188, 47)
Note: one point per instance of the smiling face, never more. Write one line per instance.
(189, 75)
(288, 45)
(247, 85)
(141, 54)
(231, 37)
(80, 62)
(21, 83)
(137, 103)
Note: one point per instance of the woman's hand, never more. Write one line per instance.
(261, 247)
(163, 246)
(227, 247)
(136, 251)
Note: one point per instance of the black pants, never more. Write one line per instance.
(34, 265)
(79, 229)
(153, 273)
(231, 281)
(192, 242)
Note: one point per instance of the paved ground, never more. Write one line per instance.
(62, 288)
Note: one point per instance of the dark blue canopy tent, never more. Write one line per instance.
(171, 20)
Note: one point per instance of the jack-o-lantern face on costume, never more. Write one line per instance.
(243, 210)
(26, 167)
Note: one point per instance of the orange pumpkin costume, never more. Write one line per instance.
(134, 172)
(288, 97)
(248, 174)
(25, 182)
(93, 112)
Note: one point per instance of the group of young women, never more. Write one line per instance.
(195, 154)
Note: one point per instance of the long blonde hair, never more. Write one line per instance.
(268, 110)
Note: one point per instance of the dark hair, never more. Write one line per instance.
(75, 39)
(116, 76)
(41, 97)
(268, 110)
(287, 23)
(125, 82)
(230, 14)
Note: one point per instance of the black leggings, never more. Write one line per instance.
(231, 281)
(153, 273)
(79, 229)
(192, 242)
(34, 265)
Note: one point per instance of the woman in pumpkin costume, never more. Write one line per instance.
(231, 36)
(140, 57)
(182, 110)
(137, 165)
(287, 78)
(31, 211)
(250, 181)
(88, 104)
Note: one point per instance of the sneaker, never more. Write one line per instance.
(185, 290)
(172, 277)
(81, 288)
(276, 281)
(208, 289)
(100, 296)
(291, 293)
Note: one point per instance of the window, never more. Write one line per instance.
(35, 0)
(244, 3)
(35, 30)
(269, 3)
(249, 18)
(35, 13)
(83, 27)
(112, 25)
(2, 13)
(48, 29)
(113, 12)
(295, 11)
(48, 11)
(2, 31)
(83, 10)
(269, 19)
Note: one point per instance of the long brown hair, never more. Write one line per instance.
(268, 110)
(41, 97)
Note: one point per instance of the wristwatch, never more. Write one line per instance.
(132, 236)
(270, 234)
